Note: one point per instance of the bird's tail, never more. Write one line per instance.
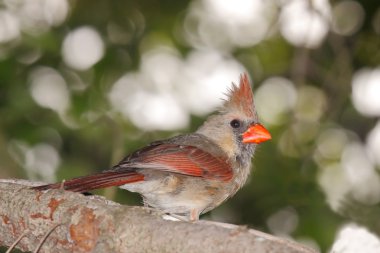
(97, 181)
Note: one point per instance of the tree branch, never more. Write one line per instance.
(73, 222)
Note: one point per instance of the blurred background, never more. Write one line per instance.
(83, 83)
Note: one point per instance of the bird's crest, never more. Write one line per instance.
(240, 98)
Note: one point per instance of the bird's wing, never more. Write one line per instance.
(181, 159)
(161, 156)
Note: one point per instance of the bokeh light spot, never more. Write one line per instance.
(373, 144)
(344, 24)
(149, 110)
(283, 222)
(352, 238)
(366, 91)
(42, 161)
(204, 80)
(223, 24)
(274, 98)
(311, 104)
(360, 171)
(331, 142)
(82, 48)
(38, 16)
(49, 89)
(305, 23)
(9, 26)
(334, 183)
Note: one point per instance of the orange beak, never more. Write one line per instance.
(256, 133)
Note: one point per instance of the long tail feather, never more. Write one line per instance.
(97, 181)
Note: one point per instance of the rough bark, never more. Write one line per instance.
(94, 224)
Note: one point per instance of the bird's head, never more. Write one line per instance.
(236, 128)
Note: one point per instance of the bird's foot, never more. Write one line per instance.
(174, 217)
(192, 217)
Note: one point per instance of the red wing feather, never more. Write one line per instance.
(186, 160)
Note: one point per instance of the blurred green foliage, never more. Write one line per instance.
(100, 138)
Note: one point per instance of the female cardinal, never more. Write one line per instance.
(189, 174)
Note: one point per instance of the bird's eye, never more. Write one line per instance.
(235, 123)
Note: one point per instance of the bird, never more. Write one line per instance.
(189, 174)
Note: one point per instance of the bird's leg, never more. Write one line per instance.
(194, 215)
